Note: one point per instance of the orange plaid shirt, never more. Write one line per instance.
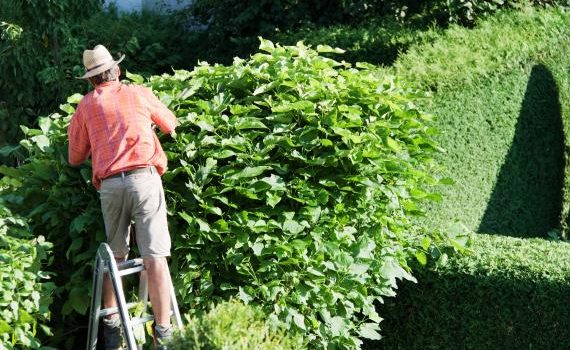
(114, 124)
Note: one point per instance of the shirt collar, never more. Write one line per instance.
(108, 83)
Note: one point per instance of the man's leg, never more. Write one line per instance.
(159, 288)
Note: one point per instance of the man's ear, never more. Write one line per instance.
(118, 72)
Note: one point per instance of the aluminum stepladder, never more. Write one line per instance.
(105, 264)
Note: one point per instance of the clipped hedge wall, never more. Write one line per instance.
(509, 293)
(500, 92)
(500, 97)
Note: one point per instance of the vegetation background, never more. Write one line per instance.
(496, 75)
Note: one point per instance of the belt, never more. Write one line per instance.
(147, 170)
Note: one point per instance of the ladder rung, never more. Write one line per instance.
(131, 270)
(128, 267)
(140, 320)
(130, 263)
(114, 310)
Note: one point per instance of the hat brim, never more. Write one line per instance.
(100, 69)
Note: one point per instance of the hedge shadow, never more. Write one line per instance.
(472, 312)
(527, 198)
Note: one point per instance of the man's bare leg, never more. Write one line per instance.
(159, 288)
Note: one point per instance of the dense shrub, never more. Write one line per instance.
(293, 179)
(233, 26)
(377, 41)
(507, 294)
(232, 325)
(25, 293)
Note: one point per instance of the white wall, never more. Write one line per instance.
(153, 5)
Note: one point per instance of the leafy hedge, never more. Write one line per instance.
(292, 181)
(509, 293)
(25, 293)
(232, 325)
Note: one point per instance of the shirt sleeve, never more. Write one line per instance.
(79, 145)
(160, 114)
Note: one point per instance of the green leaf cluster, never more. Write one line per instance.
(292, 182)
(232, 325)
(61, 205)
(25, 292)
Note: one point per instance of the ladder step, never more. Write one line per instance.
(114, 310)
(131, 270)
(140, 320)
(130, 263)
(128, 267)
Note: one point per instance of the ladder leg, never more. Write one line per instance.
(143, 296)
(174, 305)
(121, 302)
(96, 291)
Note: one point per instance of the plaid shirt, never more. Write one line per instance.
(114, 124)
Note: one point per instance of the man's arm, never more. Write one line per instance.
(79, 146)
(160, 114)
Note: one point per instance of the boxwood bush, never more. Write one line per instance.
(292, 181)
(500, 94)
(233, 325)
(509, 293)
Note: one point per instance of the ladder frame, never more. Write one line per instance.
(105, 264)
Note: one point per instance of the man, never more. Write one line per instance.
(114, 124)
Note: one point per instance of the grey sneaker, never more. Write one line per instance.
(113, 333)
(162, 334)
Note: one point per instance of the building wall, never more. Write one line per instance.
(152, 5)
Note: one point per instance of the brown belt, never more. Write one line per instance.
(148, 170)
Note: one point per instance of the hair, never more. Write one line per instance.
(109, 75)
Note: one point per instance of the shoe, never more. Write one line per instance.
(162, 335)
(113, 333)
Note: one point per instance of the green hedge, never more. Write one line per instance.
(501, 96)
(509, 293)
(500, 100)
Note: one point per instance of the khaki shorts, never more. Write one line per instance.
(138, 198)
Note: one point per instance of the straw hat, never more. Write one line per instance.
(97, 61)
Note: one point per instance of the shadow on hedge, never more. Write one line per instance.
(452, 312)
(527, 198)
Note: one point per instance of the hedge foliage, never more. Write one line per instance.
(233, 325)
(509, 293)
(500, 94)
(231, 27)
(25, 292)
(293, 179)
